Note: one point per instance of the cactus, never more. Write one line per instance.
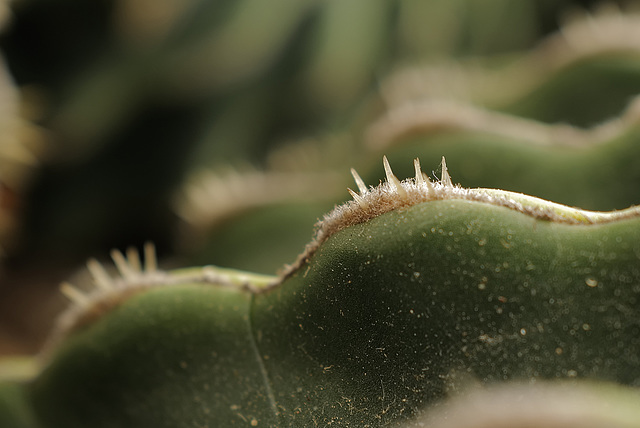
(411, 290)
(15, 409)
(417, 303)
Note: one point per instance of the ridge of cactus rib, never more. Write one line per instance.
(369, 202)
(393, 194)
(584, 36)
(211, 197)
(358, 321)
(109, 291)
(542, 404)
(438, 115)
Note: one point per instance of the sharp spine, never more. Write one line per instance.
(100, 276)
(359, 199)
(133, 259)
(362, 187)
(446, 178)
(419, 177)
(75, 295)
(422, 179)
(122, 264)
(428, 182)
(393, 180)
(150, 260)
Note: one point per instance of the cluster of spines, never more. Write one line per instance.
(131, 272)
(421, 181)
(393, 194)
(370, 202)
(133, 276)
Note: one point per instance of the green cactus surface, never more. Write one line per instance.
(15, 410)
(15, 407)
(413, 290)
(223, 132)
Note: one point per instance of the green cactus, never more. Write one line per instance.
(543, 404)
(479, 114)
(15, 409)
(411, 290)
(418, 303)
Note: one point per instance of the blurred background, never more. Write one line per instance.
(222, 130)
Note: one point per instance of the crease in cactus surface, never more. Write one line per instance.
(414, 291)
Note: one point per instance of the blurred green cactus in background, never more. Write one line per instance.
(224, 131)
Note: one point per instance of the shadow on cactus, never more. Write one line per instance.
(413, 294)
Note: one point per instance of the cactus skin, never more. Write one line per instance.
(15, 407)
(587, 93)
(391, 303)
(15, 411)
(207, 374)
(380, 322)
(319, 328)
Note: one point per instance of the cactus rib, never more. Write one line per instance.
(394, 194)
(109, 292)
